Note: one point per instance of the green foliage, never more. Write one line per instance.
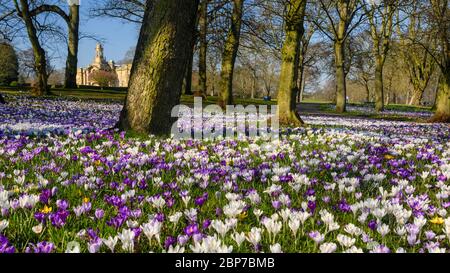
(104, 78)
(9, 64)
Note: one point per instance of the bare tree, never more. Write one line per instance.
(380, 15)
(72, 19)
(229, 54)
(203, 48)
(339, 19)
(126, 10)
(24, 11)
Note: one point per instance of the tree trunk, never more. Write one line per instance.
(253, 88)
(379, 88)
(72, 47)
(188, 75)
(40, 62)
(203, 26)
(162, 55)
(341, 88)
(416, 97)
(366, 86)
(229, 55)
(288, 88)
(436, 92)
(443, 98)
(301, 81)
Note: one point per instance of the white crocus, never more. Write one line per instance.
(294, 225)
(345, 240)
(276, 248)
(175, 217)
(152, 229)
(176, 249)
(127, 239)
(239, 238)
(73, 247)
(220, 227)
(353, 230)
(328, 247)
(354, 249)
(158, 202)
(111, 242)
(254, 236)
(400, 230)
(234, 208)
(37, 229)
(272, 226)
(383, 230)
(3, 225)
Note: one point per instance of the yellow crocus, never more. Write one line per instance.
(243, 215)
(437, 220)
(46, 209)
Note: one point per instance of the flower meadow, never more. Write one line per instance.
(69, 184)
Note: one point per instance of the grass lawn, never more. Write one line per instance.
(307, 106)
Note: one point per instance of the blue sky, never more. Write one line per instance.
(118, 36)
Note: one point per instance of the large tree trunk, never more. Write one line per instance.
(440, 12)
(379, 88)
(162, 55)
(229, 55)
(203, 27)
(72, 47)
(341, 88)
(40, 62)
(443, 98)
(288, 88)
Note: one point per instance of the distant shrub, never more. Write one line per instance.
(14, 84)
(9, 64)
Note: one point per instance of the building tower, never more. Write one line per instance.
(99, 61)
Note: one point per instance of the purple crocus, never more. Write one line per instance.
(200, 201)
(206, 224)
(191, 229)
(170, 241)
(344, 206)
(41, 247)
(5, 246)
(372, 225)
(45, 196)
(312, 206)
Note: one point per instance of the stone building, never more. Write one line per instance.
(121, 72)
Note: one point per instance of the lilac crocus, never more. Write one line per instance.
(62, 204)
(99, 213)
